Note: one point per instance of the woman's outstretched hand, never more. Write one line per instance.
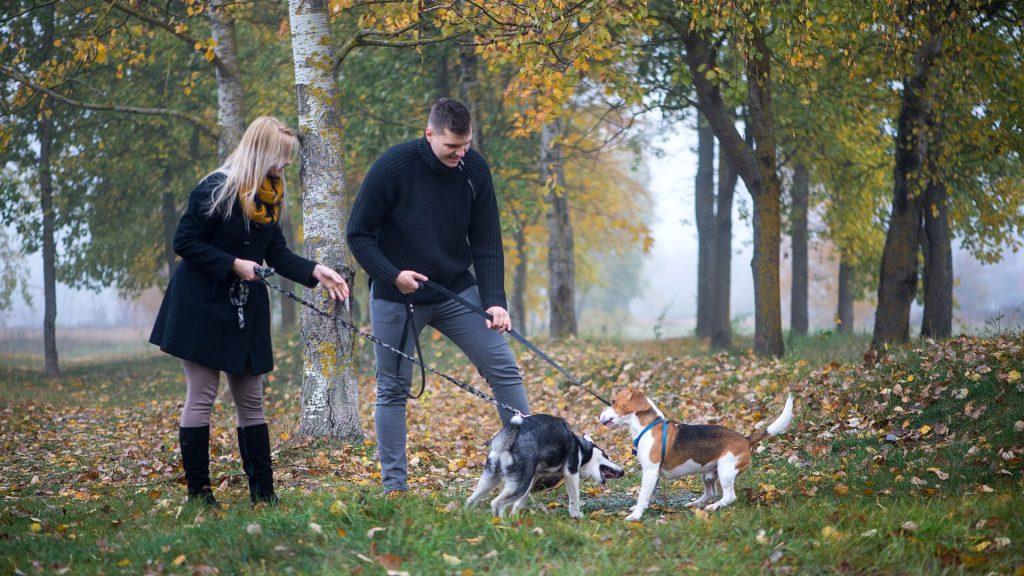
(336, 286)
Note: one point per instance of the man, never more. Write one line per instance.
(427, 211)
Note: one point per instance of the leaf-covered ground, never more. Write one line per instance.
(905, 463)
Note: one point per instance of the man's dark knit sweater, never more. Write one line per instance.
(415, 213)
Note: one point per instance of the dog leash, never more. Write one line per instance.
(522, 339)
(264, 272)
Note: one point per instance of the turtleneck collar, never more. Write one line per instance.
(431, 160)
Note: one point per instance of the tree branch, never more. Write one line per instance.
(195, 120)
(191, 40)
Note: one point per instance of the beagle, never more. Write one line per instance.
(677, 449)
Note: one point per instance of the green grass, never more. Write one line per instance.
(89, 472)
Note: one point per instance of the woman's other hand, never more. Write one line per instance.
(336, 286)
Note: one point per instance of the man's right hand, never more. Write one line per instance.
(408, 281)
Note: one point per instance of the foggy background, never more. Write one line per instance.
(985, 296)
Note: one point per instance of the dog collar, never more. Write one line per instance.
(664, 437)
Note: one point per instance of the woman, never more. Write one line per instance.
(215, 317)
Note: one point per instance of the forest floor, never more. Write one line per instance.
(905, 463)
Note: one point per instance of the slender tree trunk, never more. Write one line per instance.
(798, 215)
(721, 323)
(561, 262)
(329, 391)
(844, 309)
(52, 365)
(767, 206)
(518, 303)
(230, 96)
(469, 92)
(898, 277)
(938, 264)
(169, 219)
(289, 316)
(757, 168)
(704, 202)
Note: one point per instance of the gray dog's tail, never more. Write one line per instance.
(504, 440)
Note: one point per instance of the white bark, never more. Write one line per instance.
(230, 96)
(329, 388)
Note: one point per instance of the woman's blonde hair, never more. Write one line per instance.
(267, 143)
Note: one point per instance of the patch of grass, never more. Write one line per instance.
(338, 529)
(122, 381)
(907, 464)
(828, 346)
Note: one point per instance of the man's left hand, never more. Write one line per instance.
(500, 321)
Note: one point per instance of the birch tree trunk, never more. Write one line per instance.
(704, 203)
(230, 97)
(329, 390)
(798, 320)
(561, 261)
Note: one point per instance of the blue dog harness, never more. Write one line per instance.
(664, 437)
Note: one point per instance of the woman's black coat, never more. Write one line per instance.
(197, 321)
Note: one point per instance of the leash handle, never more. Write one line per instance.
(376, 340)
(410, 327)
(522, 339)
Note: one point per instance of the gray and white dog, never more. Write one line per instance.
(540, 445)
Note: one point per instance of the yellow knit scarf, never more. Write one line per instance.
(267, 206)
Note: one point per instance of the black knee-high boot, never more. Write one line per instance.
(254, 445)
(195, 459)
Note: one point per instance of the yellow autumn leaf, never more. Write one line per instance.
(179, 560)
(981, 546)
(36, 527)
(451, 560)
(831, 533)
(1013, 376)
(841, 489)
(924, 429)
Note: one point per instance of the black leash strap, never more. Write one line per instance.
(410, 327)
(264, 272)
(522, 339)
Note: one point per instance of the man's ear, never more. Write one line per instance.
(428, 132)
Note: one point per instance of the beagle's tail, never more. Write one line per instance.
(775, 428)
